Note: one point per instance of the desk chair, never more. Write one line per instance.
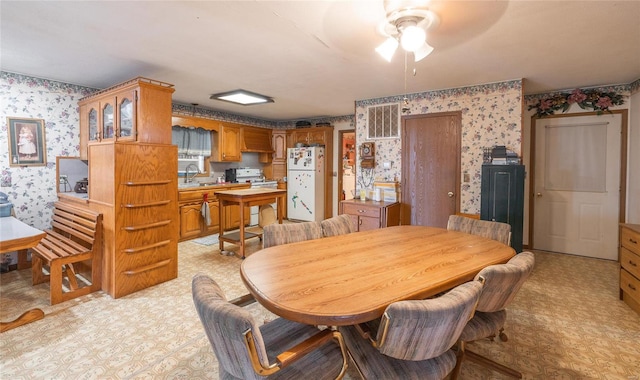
(414, 338)
(485, 228)
(338, 225)
(280, 349)
(278, 234)
(502, 282)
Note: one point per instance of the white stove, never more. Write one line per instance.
(257, 180)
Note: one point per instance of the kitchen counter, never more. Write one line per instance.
(207, 185)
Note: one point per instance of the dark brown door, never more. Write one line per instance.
(430, 168)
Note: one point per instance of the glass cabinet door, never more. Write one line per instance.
(126, 118)
(107, 122)
(94, 133)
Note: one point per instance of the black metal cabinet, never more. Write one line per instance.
(502, 198)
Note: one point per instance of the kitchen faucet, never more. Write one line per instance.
(186, 173)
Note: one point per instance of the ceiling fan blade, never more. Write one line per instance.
(388, 48)
(422, 51)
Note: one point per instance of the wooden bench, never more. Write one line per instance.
(72, 246)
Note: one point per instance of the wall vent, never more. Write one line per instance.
(383, 121)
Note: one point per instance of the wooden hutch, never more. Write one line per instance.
(125, 134)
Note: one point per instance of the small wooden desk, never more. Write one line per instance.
(350, 279)
(18, 236)
(246, 198)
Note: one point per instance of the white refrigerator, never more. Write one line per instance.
(305, 183)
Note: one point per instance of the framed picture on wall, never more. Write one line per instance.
(26, 142)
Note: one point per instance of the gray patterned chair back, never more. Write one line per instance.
(338, 225)
(492, 230)
(277, 234)
(425, 329)
(225, 324)
(503, 281)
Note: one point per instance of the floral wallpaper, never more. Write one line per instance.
(491, 115)
(31, 189)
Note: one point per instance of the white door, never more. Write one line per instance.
(577, 185)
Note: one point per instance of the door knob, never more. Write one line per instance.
(538, 194)
(450, 194)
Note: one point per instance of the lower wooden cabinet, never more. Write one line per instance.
(192, 223)
(630, 265)
(371, 215)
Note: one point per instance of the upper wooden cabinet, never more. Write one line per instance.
(279, 143)
(309, 136)
(227, 144)
(115, 114)
(256, 139)
(279, 156)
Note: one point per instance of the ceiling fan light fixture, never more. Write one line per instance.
(407, 22)
(422, 51)
(388, 48)
(412, 37)
(246, 98)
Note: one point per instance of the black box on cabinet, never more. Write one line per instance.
(502, 198)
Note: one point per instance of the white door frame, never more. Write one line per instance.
(623, 165)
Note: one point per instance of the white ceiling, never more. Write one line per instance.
(315, 58)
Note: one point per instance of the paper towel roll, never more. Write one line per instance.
(201, 164)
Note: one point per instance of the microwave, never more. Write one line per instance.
(230, 175)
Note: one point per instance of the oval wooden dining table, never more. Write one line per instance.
(352, 278)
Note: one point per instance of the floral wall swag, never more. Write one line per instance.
(587, 99)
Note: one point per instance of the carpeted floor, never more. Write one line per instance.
(566, 323)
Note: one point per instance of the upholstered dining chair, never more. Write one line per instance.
(338, 225)
(493, 230)
(502, 283)
(279, 349)
(277, 234)
(414, 338)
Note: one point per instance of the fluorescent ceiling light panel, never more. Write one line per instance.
(246, 98)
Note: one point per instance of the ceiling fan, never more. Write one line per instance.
(406, 24)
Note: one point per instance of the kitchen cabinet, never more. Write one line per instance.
(629, 256)
(313, 135)
(502, 198)
(192, 223)
(371, 215)
(279, 156)
(131, 111)
(320, 136)
(227, 144)
(257, 140)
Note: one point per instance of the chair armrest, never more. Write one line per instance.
(369, 330)
(364, 331)
(243, 300)
(298, 351)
